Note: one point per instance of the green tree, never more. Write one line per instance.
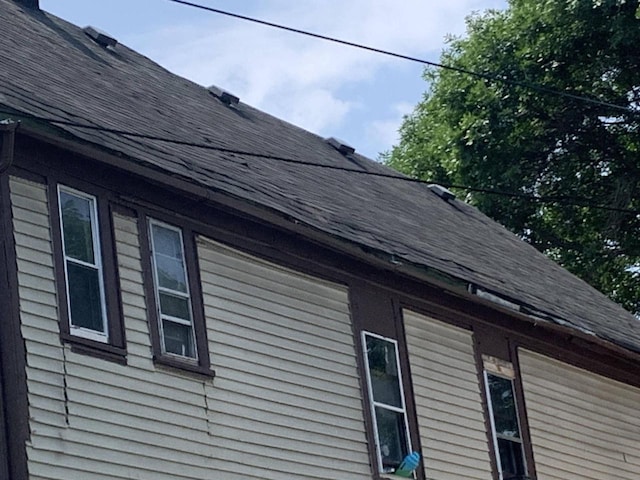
(509, 137)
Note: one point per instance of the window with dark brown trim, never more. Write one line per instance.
(87, 283)
(505, 411)
(390, 417)
(386, 395)
(504, 418)
(172, 285)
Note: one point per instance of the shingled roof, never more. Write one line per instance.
(51, 68)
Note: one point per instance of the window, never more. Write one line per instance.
(177, 325)
(83, 265)
(389, 415)
(86, 269)
(505, 424)
(172, 291)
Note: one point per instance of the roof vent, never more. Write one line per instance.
(225, 97)
(100, 37)
(443, 193)
(340, 145)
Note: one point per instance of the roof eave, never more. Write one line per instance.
(375, 258)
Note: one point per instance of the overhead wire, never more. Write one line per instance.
(491, 77)
(566, 200)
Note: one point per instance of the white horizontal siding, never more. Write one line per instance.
(132, 297)
(38, 304)
(285, 402)
(286, 399)
(133, 421)
(583, 426)
(448, 400)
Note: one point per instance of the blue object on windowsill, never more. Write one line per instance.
(408, 465)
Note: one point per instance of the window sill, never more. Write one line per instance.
(391, 476)
(183, 366)
(104, 351)
(418, 474)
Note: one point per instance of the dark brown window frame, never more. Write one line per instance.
(202, 364)
(494, 342)
(376, 310)
(115, 348)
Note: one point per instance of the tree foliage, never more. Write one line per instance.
(513, 138)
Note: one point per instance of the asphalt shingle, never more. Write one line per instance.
(51, 68)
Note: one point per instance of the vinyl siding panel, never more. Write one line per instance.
(583, 426)
(286, 397)
(285, 402)
(448, 400)
(38, 300)
(131, 421)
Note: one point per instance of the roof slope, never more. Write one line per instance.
(49, 67)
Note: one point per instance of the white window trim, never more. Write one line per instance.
(102, 337)
(187, 295)
(375, 404)
(494, 435)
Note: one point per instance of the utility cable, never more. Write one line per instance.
(485, 76)
(566, 200)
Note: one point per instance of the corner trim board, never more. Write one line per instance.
(8, 130)
(14, 412)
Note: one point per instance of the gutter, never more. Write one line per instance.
(8, 136)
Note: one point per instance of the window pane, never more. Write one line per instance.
(504, 407)
(166, 241)
(76, 226)
(168, 257)
(178, 339)
(174, 306)
(392, 438)
(385, 383)
(84, 297)
(511, 460)
(171, 273)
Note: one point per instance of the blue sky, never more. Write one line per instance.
(332, 90)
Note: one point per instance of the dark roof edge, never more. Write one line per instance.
(551, 322)
(379, 259)
(29, 3)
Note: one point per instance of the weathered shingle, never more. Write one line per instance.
(49, 67)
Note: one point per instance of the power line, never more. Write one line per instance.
(566, 200)
(484, 76)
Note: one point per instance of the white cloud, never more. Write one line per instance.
(313, 109)
(303, 80)
(385, 131)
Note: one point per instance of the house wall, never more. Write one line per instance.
(448, 400)
(583, 426)
(285, 401)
